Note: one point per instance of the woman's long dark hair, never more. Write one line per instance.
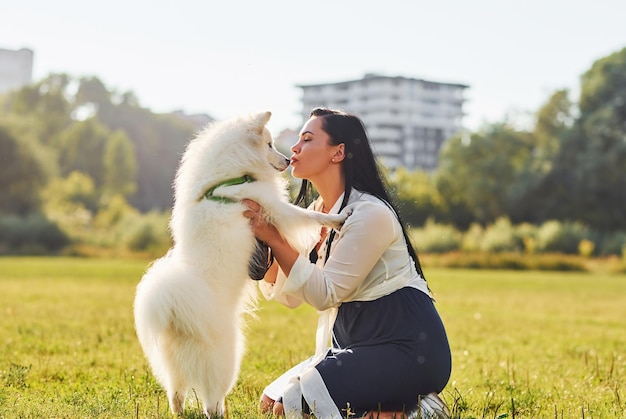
(359, 167)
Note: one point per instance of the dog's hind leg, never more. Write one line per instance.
(216, 369)
(213, 392)
(176, 393)
(172, 375)
(216, 410)
(176, 399)
(212, 404)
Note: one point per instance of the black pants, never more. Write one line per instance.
(392, 350)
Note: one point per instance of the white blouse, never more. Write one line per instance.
(368, 260)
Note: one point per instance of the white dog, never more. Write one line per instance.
(189, 304)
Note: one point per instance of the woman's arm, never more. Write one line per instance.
(270, 275)
(364, 238)
(283, 253)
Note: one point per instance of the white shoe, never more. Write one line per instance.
(431, 407)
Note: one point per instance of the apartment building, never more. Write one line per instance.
(407, 119)
(16, 69)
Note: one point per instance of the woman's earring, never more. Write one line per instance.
(333, 160)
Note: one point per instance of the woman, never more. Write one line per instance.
(390, 354)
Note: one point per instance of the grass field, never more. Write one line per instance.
(525, 344)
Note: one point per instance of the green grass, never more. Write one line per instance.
(524, 344)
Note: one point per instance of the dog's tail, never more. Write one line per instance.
(151, 316)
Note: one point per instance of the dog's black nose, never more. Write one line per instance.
(287, 161)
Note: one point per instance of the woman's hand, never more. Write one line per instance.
(260, 227)
(283, 252)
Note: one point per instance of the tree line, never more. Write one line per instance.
(77, 154)
(570, 165)
(63, 125)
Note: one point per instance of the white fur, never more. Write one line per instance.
(189, 304)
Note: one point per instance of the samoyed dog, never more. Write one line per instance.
(190, 304)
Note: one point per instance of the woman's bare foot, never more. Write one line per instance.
(266, 403)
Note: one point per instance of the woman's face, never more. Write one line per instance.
(313, 153)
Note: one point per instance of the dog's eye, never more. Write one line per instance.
(269, 145)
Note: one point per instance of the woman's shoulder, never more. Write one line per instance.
(365, 205)
(358, 198)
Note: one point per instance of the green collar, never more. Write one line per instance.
(230, 182)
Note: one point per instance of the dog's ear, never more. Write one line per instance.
(260, 120)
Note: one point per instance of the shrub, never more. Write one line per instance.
(147, 232)
(113, 212)
(612, 243)
(501, 237)
(436, 238)
(512, 261)
(142, 237)
(554, 236)
(585, 248)
(472, 238)
(527, 234)
(30, 234)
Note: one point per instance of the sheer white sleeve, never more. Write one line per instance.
(364, 238)
(275, 291)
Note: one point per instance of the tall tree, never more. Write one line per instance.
(159, 141)
(481, 172)
(541, 200)
(600, 169)
(21, 176)
(64, 112)
(92, 90)
(47, 103)
(587, 178)
(81, 148)
(120, 165)
(417, 197)
(554, 118)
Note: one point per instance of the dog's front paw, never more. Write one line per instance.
(337, 220)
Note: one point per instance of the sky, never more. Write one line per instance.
(230, 57)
